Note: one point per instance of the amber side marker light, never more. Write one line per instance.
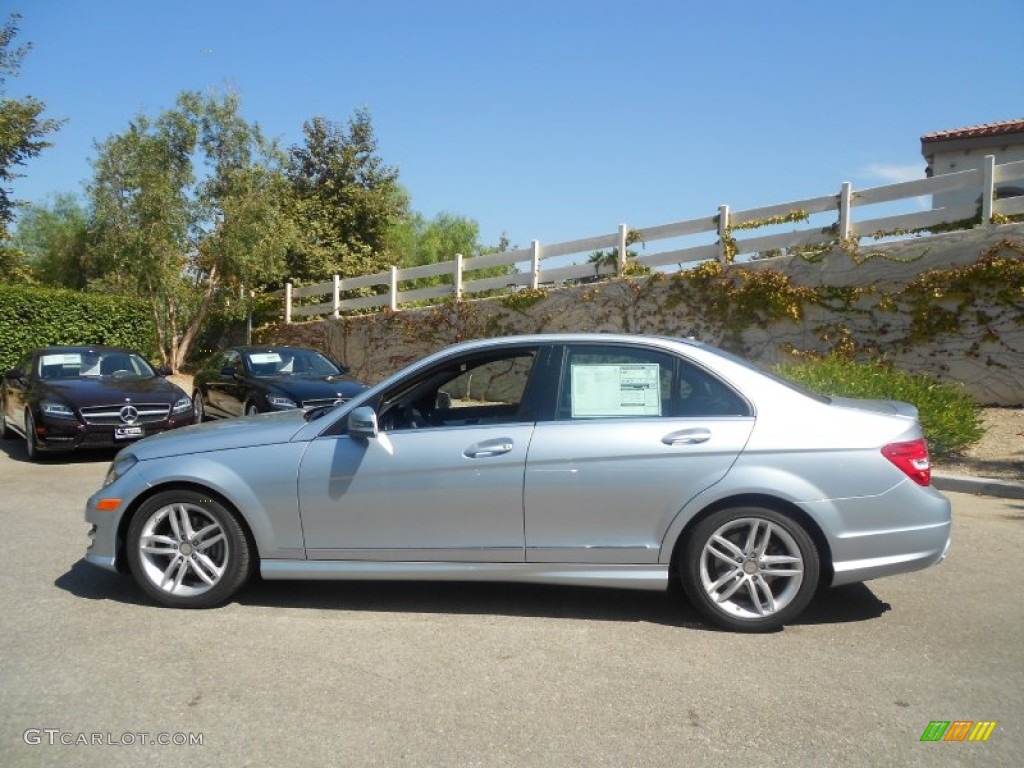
(108, 505)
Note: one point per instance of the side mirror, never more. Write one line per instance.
(164, 370)
(227, 370)
(362, 422)
(14, 374)
(443, 401)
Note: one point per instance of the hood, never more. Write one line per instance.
(313, 387)
(266, 429)
(887, 407)
(97, 391)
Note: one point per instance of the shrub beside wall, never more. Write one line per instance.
(37, 317)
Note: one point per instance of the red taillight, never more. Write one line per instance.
(912, 458)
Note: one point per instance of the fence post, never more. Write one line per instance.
(458, 276)
(845, 195)
(337, 295)
(535, 265)
(723, 233)
(287, 303)
(394, 289)
(988, 188)
(623, 231)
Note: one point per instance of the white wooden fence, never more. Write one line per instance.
(568, 261)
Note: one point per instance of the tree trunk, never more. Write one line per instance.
(188, 338)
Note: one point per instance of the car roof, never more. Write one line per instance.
(268, 348)
(84, 348)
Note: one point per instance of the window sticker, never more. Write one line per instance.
(264, 357)
(72, 359)
(615, 390)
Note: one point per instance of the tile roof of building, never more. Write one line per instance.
(974, 131)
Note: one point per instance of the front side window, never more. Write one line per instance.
(487, 388)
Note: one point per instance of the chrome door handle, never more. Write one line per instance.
(488, 448)
(687, 437)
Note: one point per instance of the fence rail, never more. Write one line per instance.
(539, 265)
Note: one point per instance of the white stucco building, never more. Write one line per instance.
(961, 149)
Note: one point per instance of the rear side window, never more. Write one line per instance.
(611, 381)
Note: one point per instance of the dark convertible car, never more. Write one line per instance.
(245, 381)
(65, 398)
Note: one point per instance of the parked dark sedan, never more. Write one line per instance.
(65, 398)
(245, 381)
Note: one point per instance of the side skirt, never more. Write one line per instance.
(647, 577)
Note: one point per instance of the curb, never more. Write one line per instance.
(1003, 489)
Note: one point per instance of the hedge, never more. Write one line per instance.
(32, 317)
(950, 418)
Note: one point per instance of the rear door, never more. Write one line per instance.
(637, 433)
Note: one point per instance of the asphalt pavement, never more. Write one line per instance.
(366, 674)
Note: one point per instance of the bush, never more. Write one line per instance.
(950, 418)
(38, 317)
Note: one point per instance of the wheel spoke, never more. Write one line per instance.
(202, 543)
(733, 574)
(206, 569)
(765, 540)
(177, 565)
(754, 598)
(731, 549)
(760, 585)
(158, 545)
(729, 591)
(752, 536)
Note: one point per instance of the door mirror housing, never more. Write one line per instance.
(362, 422)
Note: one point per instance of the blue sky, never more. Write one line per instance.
(546, 120)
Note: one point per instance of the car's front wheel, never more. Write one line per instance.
(187, 550)
(198, 409)
(749, 569)
(31, 438)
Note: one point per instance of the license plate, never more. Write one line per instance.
(128, 433)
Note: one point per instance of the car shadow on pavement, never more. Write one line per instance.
(850, 603)
(845, 604)
(15, 451)
(92, 583)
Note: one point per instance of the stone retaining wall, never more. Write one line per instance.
(872, 301)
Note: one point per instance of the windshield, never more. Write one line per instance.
(92, 364)
(290, 362)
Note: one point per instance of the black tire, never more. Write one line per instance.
(760, 573)
(198, 408)
(31, 439)
(181, 567)
(251, 409)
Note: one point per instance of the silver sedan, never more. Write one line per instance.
(592, 460)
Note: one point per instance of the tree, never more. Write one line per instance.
(23, 131)
(346, 201)
(189, 213)
(54, 239)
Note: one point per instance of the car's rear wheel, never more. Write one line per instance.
(187, 550)
(198, 409)
(251, 409)
(749, 569)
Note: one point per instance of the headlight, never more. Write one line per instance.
(120, 465)
(279, 401)
(56, 410)
(184, 404)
